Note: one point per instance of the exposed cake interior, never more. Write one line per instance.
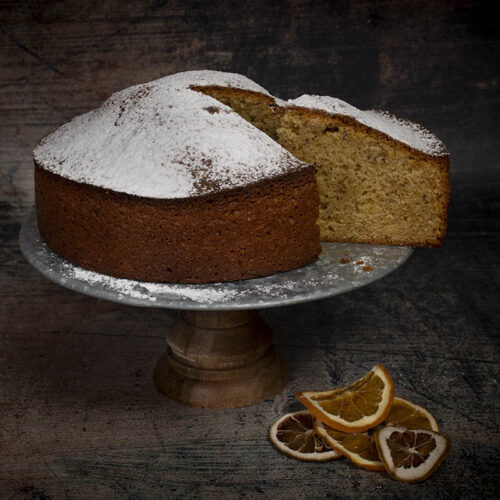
(372, 189)
(260, 110)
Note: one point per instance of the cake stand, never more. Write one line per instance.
(219, 352)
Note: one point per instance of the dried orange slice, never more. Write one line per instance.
(294, 435)
(410, 456)
(358, 447)
(404, 413)
(355, 408)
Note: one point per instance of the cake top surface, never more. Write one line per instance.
(163, 140)
(211, 78)
(404, 131)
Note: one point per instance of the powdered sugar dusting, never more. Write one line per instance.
(163, 140)
(328, 270)
(212, 78)
(150, 291)
(204, 294)
(404, 131)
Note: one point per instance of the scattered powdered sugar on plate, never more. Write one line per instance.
(149, 291)
(209, 293)
(326, 272)
(404, 131)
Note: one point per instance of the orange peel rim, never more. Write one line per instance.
(341, 427)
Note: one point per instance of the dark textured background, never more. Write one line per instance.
(79, 417)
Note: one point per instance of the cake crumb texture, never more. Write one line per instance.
(372, 189)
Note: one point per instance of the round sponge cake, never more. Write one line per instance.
(204, 176)
(165, 183)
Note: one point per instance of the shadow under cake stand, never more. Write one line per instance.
(220, 352)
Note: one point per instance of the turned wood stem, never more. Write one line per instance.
(220, 359)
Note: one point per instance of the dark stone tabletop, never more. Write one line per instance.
(79, 416)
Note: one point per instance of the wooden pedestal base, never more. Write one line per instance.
(220, 359)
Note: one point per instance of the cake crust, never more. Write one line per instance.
(242, 233)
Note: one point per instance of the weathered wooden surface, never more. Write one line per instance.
(79, 416)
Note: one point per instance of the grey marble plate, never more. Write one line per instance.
(326, 277)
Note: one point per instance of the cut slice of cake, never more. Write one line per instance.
(382, 180)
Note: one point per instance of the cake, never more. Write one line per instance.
(163, 183)
(204, 176)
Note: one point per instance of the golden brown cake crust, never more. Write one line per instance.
(243, 233)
